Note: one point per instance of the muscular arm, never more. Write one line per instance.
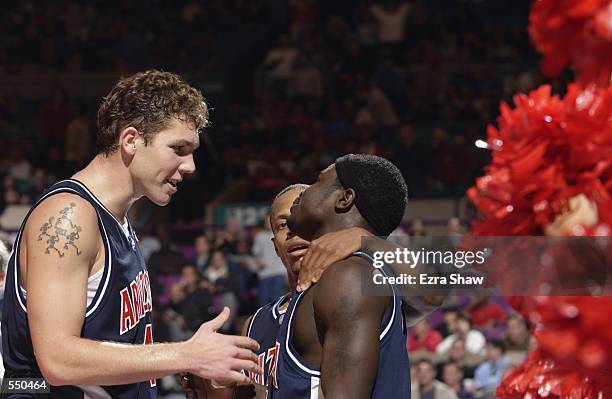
(60, 246)
(336, 246)
(348, 324)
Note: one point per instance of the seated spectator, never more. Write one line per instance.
(222, 284)
(423, 338)
(458, 355)
(452, 375)
(517, 334)
(172, 318)
(489, 374)
(449, 325)
(197, 305)
(202, 255)
(474, 340)
(425, 385)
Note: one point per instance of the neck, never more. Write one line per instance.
(109, 180)
(337, 224)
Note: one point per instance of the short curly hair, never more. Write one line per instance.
(147, 101)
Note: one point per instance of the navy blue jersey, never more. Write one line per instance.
(294, 378)
(120, 311)
(263, 328)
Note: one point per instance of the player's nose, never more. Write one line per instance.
(188, 165)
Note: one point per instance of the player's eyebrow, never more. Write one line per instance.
(282, 216)
(188, 143)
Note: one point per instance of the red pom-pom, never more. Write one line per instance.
(545, 151)
(576, 33)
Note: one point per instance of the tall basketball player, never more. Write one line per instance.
(77, 306)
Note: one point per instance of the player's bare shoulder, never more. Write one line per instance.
(63, 226)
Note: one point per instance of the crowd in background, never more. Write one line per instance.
(303, 81)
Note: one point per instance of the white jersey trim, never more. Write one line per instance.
(392, 318)
(314, 387)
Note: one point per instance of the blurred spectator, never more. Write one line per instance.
(460, 356)
(423, 338)
(452, 376)
(243, 256)
(19, 166)
(279, 64)
(197, 305)
(271, 271)
(202, 252)
(150, 243)
(474, 340)
(306, 79)
(489, 374)
(222, 284)
(173, 319)
(164, 265)
(453, 227)
(426, 387)
(228, 238)
(517, 337)
(449, 324)
(417, 228)
(391, 19)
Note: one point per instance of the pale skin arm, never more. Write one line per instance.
(56, 304)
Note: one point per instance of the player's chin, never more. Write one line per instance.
(160, 199)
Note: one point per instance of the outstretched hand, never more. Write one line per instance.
(221, 357)
(327, 250)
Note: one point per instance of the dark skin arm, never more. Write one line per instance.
(333, 247)
(348, 325)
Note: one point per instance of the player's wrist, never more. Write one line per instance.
(185, 361)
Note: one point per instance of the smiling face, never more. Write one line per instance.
(316, 206)
(289, 247)
(158, 167)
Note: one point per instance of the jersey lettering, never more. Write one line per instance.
(135, 306)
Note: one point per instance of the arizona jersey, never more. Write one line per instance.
(263, 328)
(294, 378)
(120, 310)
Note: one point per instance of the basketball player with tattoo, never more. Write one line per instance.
(78, 302)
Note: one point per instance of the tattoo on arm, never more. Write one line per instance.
(55, 229)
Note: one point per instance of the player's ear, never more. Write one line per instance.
(346, 199)
(127, 140)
